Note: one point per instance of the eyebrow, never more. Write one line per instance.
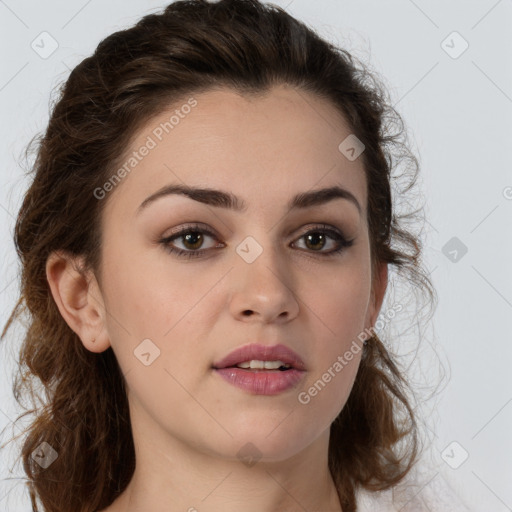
(222, 199)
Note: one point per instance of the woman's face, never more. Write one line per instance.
(264, 274)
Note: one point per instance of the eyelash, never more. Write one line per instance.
(196, 228)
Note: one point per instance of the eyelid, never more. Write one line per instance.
(190, 226)
(199, 226)
(196, 225)
(342, 241)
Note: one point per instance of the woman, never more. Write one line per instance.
(205, 246)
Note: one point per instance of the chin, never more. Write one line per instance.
(264, 441)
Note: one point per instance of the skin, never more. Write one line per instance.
(188, 423)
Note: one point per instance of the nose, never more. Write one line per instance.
(263, 290)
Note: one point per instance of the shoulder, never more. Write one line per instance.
(419, 492)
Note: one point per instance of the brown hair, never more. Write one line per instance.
(191, 47)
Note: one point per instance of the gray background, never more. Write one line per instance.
(458, 112)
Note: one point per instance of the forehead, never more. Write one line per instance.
(275, 145)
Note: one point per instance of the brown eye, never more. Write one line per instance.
(192, 240)
(316, 240)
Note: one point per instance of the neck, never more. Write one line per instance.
(170, 475)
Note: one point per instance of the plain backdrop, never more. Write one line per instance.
(447, 66)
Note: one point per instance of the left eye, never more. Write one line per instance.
(193, 238)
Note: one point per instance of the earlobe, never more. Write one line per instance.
(78, 298)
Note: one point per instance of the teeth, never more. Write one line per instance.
(263, 365)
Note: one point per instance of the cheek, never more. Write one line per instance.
(144, 297)
(148, 301)
(340, 303)
(331, 380)
(339, 311)
(326, 392)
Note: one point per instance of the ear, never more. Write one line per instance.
(79, 299)
(379, 287)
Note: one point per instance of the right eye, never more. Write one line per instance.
(193, 235)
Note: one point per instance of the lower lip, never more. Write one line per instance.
(264, 382)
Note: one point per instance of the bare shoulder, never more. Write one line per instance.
(419, 492)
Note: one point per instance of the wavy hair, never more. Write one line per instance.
(193, 46)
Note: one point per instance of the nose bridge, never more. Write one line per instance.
(263, 283)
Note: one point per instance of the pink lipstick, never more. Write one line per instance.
(262, 369)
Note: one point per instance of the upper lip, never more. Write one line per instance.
(261, 353)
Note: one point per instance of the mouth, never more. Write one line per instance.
(255, 365)
(256, 357)
(262, 370)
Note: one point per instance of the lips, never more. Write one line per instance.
(261, 353)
